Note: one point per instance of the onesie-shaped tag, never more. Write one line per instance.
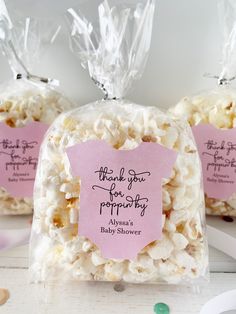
(121, 194)
(19, 151)
(217, 150)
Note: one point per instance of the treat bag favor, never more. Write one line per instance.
(118, 192)
(28, 105)
(212, 116)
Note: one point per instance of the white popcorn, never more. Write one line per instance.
(218, 108)
(161, 249)
(83, 268)
(179, 216)
(114, 271)
(141, 270)
(97, 259)
(191, 230)
(57, 199)
(183, 260)
(74, 215)
(232, 202)
(169, 226)
(179, 240)
(169, 271)
(21, 102)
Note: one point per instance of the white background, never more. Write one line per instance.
(186, 43)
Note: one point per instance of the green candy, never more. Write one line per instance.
(161, 308)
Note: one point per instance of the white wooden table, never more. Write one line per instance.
(99, 298)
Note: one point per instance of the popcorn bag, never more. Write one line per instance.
(212, 116)
(28, 105)
(118, 192)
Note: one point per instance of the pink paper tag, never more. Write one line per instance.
(217, 149)
(19, 150)
(121, 194)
